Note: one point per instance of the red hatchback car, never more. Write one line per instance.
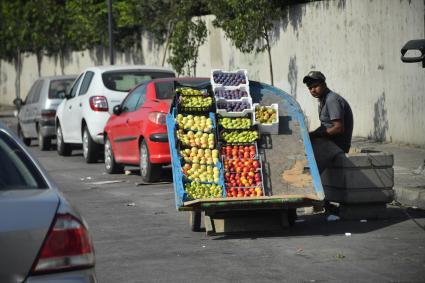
(136, 133)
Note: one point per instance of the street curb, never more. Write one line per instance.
(6, 114)
(410, 196)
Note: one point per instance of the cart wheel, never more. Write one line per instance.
(195, 221)
(292, 216)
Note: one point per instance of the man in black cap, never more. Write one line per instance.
(336, 117)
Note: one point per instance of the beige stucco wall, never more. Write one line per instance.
(355, 43)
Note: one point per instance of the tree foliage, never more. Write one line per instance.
(185, 42)
(56, 27)
(14, 33)
(248, 23)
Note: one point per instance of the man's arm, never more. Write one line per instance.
(322, 131)
(337, 128)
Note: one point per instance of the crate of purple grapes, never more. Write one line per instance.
(234, 108)
(220, 78)
(231, 93)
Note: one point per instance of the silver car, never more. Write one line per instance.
(36, 116)
(42, 237)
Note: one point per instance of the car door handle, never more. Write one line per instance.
(70, 106)
(81, 104)
(127, 121)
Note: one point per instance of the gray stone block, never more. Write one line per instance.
(364, 159)
(358, 178)
(363, 211)
(359, 196)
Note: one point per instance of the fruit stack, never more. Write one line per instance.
(231, 91)
(267, 118)
(237, 133)
(195, 133)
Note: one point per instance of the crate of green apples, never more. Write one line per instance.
(194, 101)
(235, 123)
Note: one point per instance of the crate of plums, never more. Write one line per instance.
(220, 78)
(234, 108)
(266, 118)
(231, 93)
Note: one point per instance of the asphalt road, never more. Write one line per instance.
(140, 237)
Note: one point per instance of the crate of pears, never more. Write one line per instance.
(267, 118)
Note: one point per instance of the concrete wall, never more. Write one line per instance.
(355, 43)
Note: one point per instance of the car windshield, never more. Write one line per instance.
(17, 171)
(57, 86)
(165, 90)
(125, 80)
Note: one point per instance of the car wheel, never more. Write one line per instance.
(21, 136)
(148, 171)
(43, 142)
(63, 149)
(90, 148)
(111, 166)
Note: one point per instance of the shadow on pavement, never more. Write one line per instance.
(317, 225)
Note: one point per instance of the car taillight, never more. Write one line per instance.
(98, 103)
(67, 246)
(157, 118)
(48, 114)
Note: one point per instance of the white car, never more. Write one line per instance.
(83, 114)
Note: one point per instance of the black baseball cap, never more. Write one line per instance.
(314, 77)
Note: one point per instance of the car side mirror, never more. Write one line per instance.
(117, 110)
(67, 95)
(61, 94)
(18, 103)
(414, 51)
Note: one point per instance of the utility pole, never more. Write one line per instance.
(111, 41)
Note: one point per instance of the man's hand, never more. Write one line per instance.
(319, 133)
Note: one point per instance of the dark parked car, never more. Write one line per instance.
(42, 237)
(36, 116)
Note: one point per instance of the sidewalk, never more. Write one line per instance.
(409, 171)
(6, 111)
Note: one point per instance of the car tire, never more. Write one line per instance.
(63, 149)
(148, 171)
(21, 136)
(90, 148)
(111, 166)
(44, 143)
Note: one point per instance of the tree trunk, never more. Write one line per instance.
(18, 69)
(39, 56)
(62, 61)
(167, 42)
(270, 56)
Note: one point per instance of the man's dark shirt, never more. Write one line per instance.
(334, 107)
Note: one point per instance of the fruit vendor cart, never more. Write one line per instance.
(254, 138)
